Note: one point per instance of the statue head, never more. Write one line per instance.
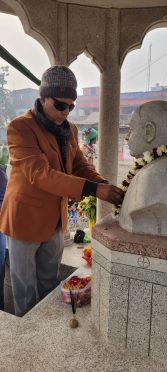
(147, 127)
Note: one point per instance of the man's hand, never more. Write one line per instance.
(110, 193)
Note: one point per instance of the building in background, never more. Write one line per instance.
(88, 102)
(19, 100)
(86, 112)
(23, 99)
(87, 105)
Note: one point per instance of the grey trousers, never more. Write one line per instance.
(34, 269)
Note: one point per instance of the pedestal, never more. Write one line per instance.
(129, 289)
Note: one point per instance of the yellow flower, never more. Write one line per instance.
(161, 149)
(147, 157)
(87, 206)
(140, 161)
(133, 170)
(124, 188)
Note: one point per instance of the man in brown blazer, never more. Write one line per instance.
(48, 167)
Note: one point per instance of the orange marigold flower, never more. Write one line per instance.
(87, 251)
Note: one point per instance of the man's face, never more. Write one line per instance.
(52, 113)
(136, 137)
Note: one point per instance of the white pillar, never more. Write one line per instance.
(109, 107)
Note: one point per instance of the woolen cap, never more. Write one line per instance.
(89, 134)
(58, 81)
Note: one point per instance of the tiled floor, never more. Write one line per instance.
(42, 341)
(72, 258)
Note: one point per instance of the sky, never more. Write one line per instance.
(134, 71)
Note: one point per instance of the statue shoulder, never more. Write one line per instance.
(156, 170)
(148, 187)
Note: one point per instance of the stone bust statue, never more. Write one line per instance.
(144, 209)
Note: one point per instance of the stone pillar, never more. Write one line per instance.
(109, 107)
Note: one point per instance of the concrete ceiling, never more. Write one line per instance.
(118, 3)
(5, 8)
(102, 4)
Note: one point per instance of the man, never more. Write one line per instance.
(144, 209)
(47, 168)
(88, 146)
(3, 182)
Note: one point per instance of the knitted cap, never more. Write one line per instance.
(89, 134)
(58, 81)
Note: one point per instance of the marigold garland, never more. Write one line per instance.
(147, 157)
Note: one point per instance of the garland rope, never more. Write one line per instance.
(146, 158)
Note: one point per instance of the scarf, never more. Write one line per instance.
(61, 132)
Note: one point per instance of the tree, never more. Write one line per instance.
(6, 108)
(4, 155)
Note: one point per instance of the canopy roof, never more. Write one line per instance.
(123, 4)
(118, 3)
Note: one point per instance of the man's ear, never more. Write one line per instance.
(42, 100)
(150, 131)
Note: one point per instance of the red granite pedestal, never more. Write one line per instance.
(129, 291)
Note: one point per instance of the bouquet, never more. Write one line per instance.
(87, 207)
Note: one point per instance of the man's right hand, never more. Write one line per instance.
(110, 193)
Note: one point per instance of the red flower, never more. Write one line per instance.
(88, 260)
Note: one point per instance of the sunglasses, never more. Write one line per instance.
(61, 106)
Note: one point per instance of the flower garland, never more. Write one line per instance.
(147, 157)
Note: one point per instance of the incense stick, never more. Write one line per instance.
(74, 297)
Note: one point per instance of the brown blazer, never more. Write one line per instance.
(38, 187)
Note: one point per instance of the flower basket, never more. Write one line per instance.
(81, 286)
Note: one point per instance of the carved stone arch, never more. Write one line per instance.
(89, 55)
(93, 59)
(86, 33)
(150, 28)
(135, 24)
(32, 25)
